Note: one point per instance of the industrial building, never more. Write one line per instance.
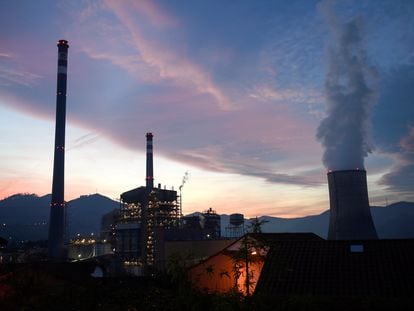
(146, 215)
(85, 247)
(236, 228)
(149, 217)
(350, 215)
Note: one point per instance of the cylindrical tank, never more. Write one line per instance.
(350, 215)
(236, 219)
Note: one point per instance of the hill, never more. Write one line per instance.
(392, 222)
(25, 216)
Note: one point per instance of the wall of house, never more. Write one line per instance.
(222, 273)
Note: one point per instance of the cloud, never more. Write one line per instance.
(146, 29)
(395, 109)
(130, 72)
(401, 177)
(9, 76)
(6, 55)
(82, 141)
(20, 103)
(11, 73)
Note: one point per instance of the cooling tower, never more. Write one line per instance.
(57, 206)
(350, 215)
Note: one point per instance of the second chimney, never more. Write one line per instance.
(150, 169)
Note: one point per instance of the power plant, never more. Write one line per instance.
(143, 211)
(350, 215)
(149, 216)
(57, 206)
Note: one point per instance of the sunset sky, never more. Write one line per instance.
(234, 92)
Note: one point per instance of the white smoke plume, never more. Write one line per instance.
(185, 179)
(344, 132)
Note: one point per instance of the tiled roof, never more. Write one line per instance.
(330, 268)
(288, 236)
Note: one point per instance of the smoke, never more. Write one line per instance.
(185, 179)
(344, 132)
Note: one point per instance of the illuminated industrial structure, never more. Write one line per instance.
(210, 222)
(151, 216)
(146, 215)
(84, 247)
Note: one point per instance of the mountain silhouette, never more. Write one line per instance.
(394, 221)
(26, 216)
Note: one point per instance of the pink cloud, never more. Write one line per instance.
(10, 76)
(155, 14)
(14, 72)
(194, 120)
(21, 104)
(6, 55)
(169, 63)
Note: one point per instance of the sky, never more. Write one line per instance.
(247, 97)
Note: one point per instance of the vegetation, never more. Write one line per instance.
(251, 250)
(35, 290)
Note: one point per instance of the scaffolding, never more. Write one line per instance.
(211, 223)
(143, 213)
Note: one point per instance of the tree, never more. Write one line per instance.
(252, 249)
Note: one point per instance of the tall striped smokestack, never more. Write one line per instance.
(350, 215)
(150, 169)
(57, 206)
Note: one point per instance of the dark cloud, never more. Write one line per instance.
(401, 177)
(394, 113)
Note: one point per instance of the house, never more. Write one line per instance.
(338, 268)
(238, 266)
(304, 265)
